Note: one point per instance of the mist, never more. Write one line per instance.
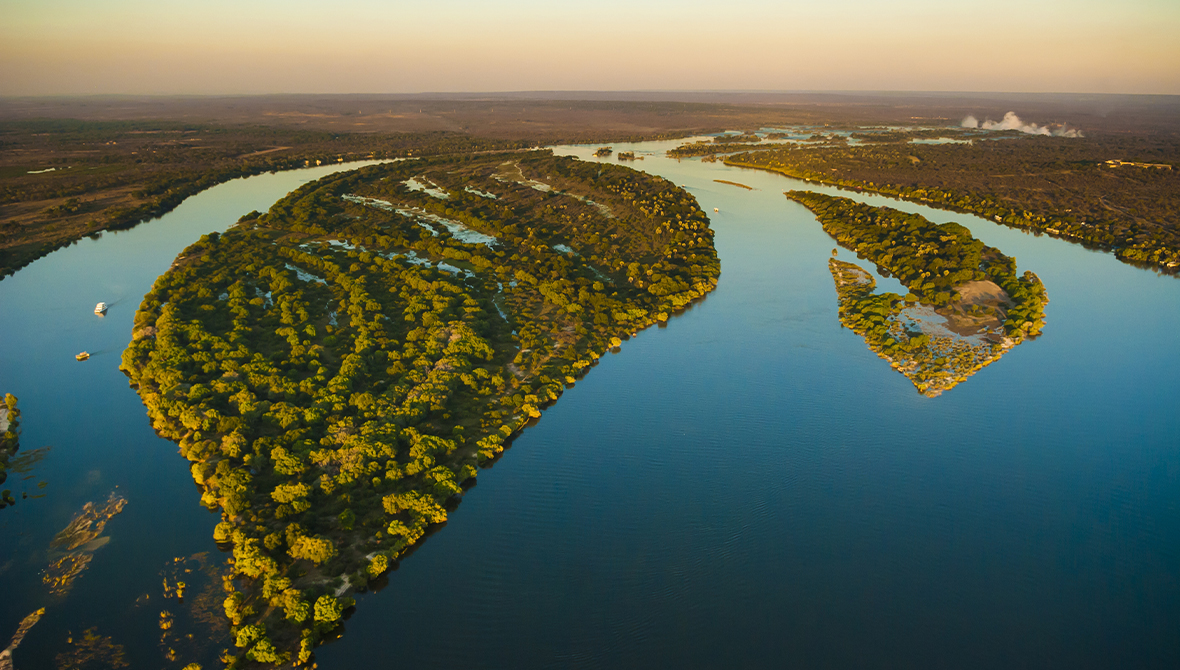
(1012, 122)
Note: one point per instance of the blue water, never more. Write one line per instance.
(749, 486)
(752, 487)
(98, 433)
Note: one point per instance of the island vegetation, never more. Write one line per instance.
(707, 148)
(9, 443)
(337, 368)
(734, 183)
(746, 137)
(966, 304)
(1066, 188)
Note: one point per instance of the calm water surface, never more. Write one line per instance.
(748, 487)
(99, 437)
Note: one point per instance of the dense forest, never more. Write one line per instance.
(337, 368)
(63, 180)
(985, 308)
(1074, 188)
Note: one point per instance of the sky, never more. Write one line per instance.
(213, 47)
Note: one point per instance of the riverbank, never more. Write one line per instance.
(66, 180)
(1063, 188)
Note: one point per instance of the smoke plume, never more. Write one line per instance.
(1013, 122)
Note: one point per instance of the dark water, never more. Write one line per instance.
(748, 487)
(100, 439)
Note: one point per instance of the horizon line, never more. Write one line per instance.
(541, 92)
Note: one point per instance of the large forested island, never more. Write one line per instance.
(966, 305)
(336, 368)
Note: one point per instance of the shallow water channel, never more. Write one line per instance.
(749, 486)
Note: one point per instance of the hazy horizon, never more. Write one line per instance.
(635, 94)
(135, 47)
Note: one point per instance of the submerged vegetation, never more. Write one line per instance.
(966, 305)
(73, 547)
(338, 368)
(26, 625)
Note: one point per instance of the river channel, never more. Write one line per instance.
(748, 486)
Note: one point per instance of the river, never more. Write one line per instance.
(749, 486)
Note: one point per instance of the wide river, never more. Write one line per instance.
(748, 487)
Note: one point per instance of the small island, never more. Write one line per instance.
(337, 369)
(746, 137)
(966, 305)
(734, 183)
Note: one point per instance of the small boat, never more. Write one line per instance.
(100, 308)
(82, 356)
(716, 210)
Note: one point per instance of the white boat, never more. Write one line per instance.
(100, 308)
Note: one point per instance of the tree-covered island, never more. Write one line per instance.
(966, 305)
(336, 368)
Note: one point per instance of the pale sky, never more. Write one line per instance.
(56, 47)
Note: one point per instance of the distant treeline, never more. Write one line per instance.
(1061, 187)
